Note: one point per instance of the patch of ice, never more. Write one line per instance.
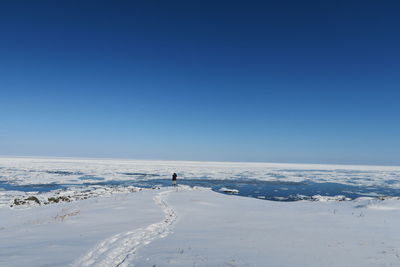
(227, 190)
(330, 198)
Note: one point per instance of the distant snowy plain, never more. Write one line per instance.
(42, 171)
(46, 171)
(21, 175)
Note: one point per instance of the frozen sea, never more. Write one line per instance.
(280, 182)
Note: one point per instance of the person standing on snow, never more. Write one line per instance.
(174, 179)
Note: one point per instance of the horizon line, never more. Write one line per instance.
(197, 161)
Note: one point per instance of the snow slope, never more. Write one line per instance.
(120, 248)
(199, 227)
(220, 230)
(59, 234)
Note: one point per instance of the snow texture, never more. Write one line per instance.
(118, 249)
(198, 227)
(190, 226)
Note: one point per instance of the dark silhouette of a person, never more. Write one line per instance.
(174, 179)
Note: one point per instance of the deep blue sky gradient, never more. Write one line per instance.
(280, 81)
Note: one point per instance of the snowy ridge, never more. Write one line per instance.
(120, 249)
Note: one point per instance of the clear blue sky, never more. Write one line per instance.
(279, 81)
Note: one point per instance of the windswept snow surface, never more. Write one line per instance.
(220, 230)
(105, 218)
(119, 249)
(198, 227)
(59, 234)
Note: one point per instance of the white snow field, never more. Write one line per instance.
(59, 234)
(198, 227)
(58, 212)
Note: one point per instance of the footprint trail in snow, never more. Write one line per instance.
(119, 249)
